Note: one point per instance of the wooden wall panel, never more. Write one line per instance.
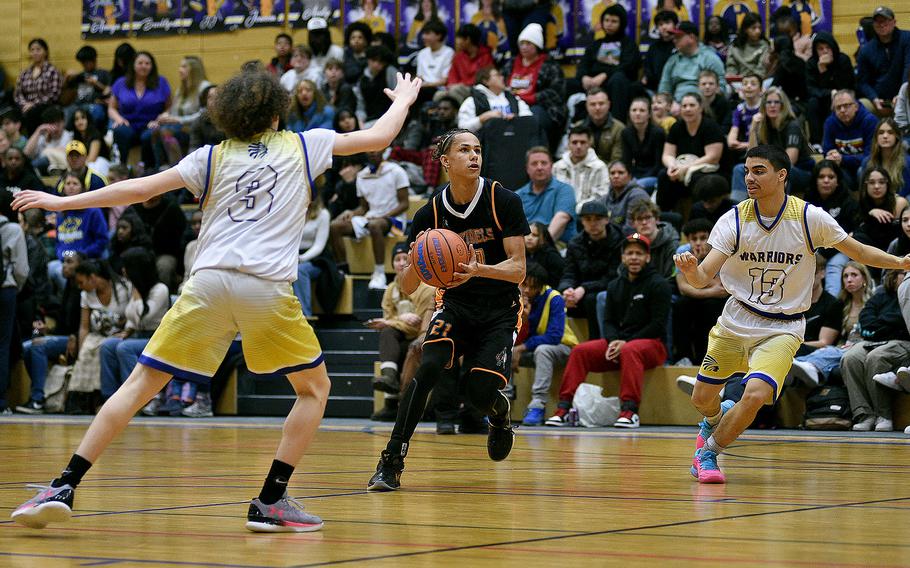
(58, 22)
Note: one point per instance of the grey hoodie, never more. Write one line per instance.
(663, 248)
(14, 253)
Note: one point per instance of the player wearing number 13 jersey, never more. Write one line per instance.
(764, 249)
(254, 190)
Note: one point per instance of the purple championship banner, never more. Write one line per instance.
(413, 15)
(379, 15)
(301, 11)
(158, 17)
(105, 18)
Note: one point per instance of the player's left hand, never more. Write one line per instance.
(468, 270)
(406, 88)
(686, 262)
(30, 199)
(905, 262)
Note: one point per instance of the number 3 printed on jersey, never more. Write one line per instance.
(254, 194)
(767, 285)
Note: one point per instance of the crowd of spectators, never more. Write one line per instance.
(620, 157)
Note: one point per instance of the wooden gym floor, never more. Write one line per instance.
(174, 492)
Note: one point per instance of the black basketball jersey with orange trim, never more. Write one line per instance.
(492, 215)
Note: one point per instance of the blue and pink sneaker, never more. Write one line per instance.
(705, 468)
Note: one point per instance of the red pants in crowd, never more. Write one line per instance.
(635, 358)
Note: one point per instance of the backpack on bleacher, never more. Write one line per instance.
(828, 408)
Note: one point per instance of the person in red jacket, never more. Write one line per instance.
(471, 55)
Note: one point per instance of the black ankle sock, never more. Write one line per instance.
(276, 482)
(73, 473)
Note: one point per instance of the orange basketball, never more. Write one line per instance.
(436, 256)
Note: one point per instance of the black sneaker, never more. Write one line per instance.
(501, 437)
(388, 473)
(445, 428)
(32, 407)
(387, 381)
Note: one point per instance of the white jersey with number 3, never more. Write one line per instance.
(254, 196)
(770, 267)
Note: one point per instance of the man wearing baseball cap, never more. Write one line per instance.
(680, 74)
(76, 156)
(883, 62)
(638, 308)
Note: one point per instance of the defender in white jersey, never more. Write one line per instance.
(254, 190)
(764, 249)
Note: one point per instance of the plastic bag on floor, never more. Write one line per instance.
(593, 408)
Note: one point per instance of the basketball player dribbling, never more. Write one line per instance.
(479, 315)
(764, 249)
(254, 190)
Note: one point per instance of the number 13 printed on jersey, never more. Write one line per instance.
(767, 285)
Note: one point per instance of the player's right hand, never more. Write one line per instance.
(30, 199)
(405, 89)
(686, 262)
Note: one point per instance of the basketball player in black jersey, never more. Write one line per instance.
(478, 316)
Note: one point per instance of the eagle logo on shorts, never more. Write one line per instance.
(710, 364)
(257, 150)
(501, 358)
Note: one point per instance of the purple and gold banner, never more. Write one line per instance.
(378, 14)
(105, 18)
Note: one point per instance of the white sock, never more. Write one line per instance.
(379, 269)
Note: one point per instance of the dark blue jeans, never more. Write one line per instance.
(7, 323)
(36, 353)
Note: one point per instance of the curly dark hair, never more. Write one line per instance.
(247, 103)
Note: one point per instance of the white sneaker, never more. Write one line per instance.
(627, 420)
(907, 430)
(805, 373)
(378, 281)
(684, 362)
(686, 384)
(888, 379)
(864, 425)
(883, 425)
(557, 420)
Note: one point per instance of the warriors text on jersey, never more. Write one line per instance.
(492, 215)
(771, 259)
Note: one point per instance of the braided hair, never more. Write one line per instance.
(445, 141)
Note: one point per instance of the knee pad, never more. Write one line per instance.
(437, 356)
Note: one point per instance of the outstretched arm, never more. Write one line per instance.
(124, 192)
(872, 256)
(700, 275)
(380, 135)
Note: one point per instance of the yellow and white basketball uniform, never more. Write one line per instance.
(254, 196)
(769, 272)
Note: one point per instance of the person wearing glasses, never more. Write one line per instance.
(848, 133)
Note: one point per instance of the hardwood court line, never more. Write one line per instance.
(700, 559)
(777, 540)
(117, 560)
(181, 507)
(595, 533)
